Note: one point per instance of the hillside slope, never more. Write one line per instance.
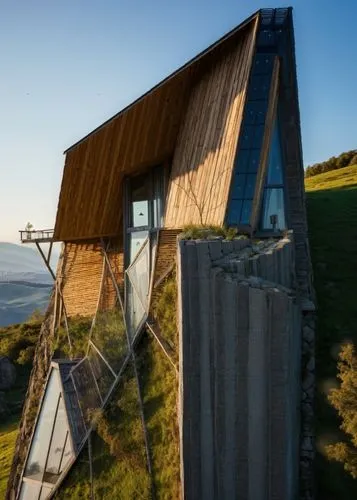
(332, 218)
(8, 434)
(22, 279)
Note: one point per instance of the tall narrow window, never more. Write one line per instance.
(145, 207)
(273, 206)
(246, 169)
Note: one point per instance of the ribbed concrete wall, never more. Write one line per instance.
(239, 372)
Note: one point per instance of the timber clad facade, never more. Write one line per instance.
(81, 275)
(217, 143)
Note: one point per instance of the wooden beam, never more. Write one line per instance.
(45, 261)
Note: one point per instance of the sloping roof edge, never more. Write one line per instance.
(169, 77)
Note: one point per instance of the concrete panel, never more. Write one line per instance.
(257, 394)
(239, 374)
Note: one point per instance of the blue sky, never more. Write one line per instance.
(68, 65)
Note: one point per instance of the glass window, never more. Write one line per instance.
(246, 169)
(234, 212)
(41, 441)
(58, 443)
(246, 210)
(67, 454)
(46, 490)
(30, 491)
(137, 240)
(78, 428)
(249, 186)
(273, 216)
(102, 374)
(273, 207)
(137, 282)
(89, 398)
(140, 213)
(238, 186)
(139, 200)
(275, 167)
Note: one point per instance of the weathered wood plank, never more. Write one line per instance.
(204, 155)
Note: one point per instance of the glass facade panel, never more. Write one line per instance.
(89, 398)
(273, 206)
(137, 288)
(249, 186)
(58, 443)
(109, 337)
(137, 239)
(41, 441)
(139, 199)
(246, 210)
(67, 455)
(250, 142)
(273, 216)
(30, 491)
(234, 212)
(102, 374)
(239, 186)
(140, 213)
(45, 492)
(275, 168)
(75, 417)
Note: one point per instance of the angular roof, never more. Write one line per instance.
(141, 135)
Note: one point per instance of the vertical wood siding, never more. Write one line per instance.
(146, 133)
(81, 277)
(206, 147)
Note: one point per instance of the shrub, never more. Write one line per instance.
(344, 400)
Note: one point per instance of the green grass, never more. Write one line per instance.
(8, 434)
(119, 459)
(332, 218)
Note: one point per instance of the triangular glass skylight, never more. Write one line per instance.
(55, 441)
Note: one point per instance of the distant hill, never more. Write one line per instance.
(25, 283)
(347, 159)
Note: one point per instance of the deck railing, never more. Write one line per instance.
(40, 235)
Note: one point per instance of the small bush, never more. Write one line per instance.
(207, 232)
(344, 400)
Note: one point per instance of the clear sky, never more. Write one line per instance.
(68, 65)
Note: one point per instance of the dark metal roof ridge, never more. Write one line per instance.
(172, 75)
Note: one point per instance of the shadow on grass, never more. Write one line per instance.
(332, 218)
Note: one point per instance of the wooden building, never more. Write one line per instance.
(217, 143)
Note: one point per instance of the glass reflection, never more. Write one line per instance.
(273, 216)
(30, 491)
(273, 207)
(89, 398)
(275, 167)
(60, 436)
(102, 374)
(50, 448)
(41, 441)
(137, 240)
(137, 288)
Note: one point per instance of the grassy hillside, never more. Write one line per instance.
(8, 433)
(18, 343)
(332, 217)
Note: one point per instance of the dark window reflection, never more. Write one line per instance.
(273, 207)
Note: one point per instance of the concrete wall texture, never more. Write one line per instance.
(240, 331)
